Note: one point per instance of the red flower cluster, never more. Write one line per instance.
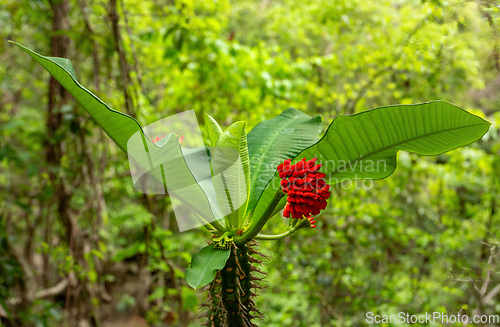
(305, 187)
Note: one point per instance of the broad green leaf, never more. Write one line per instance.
(119, 126)
(204, 266)
(365, 145)
(231, 170)
(196, 193)
(272, 141)
(213, 130)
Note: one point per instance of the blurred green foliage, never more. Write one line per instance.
(424, 240)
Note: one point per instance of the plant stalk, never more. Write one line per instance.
(297, 224)
(254, 228)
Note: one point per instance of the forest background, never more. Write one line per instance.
(79, 246)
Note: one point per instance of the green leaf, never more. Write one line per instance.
(272, 141)
(365, 145)
(121, 128)
(231, 170)
(204, 266)
(213, 130)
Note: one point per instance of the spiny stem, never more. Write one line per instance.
(230, 302)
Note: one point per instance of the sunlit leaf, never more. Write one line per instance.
(213, 129)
